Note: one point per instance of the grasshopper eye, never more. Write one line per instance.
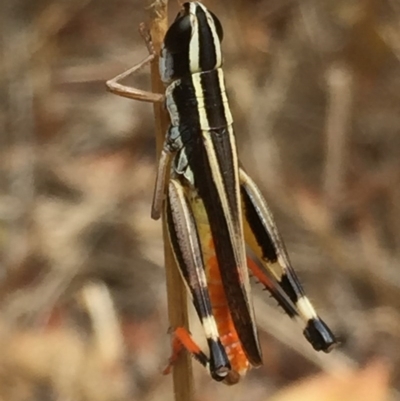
(178, 36)
(218, 26)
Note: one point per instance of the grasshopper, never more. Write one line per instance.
(213, 208)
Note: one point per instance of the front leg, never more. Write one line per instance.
(114, 85)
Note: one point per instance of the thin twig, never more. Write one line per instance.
(177, 301)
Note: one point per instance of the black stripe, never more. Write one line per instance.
(200, 294)
(212, 91)
(258, 228)
(235, 293)
(177, 42)
(267, 245)
(289, 288)
(207, 48)
(184, 97)
(212, 88)
(223, 149)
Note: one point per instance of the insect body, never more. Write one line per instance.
(213, 208)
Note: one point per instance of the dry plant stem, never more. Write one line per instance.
(177, 301)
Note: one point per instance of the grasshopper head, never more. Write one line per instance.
(192, 43)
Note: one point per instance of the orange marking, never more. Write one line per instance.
(259, 274)
(226, 328)
(222, 314)
(186, 340)
(181, 339)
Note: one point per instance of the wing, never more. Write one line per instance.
(214, 166)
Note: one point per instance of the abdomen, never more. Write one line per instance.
(220, 307)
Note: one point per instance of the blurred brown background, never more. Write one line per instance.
(315, 93)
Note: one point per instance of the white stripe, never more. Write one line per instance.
(305, 308)
(235, 230)
(194, 44)
(216, 41)
(227, 109)
(210, 327)
(199, 94)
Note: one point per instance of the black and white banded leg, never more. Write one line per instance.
(262, 235)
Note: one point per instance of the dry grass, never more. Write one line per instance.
(314, 88)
